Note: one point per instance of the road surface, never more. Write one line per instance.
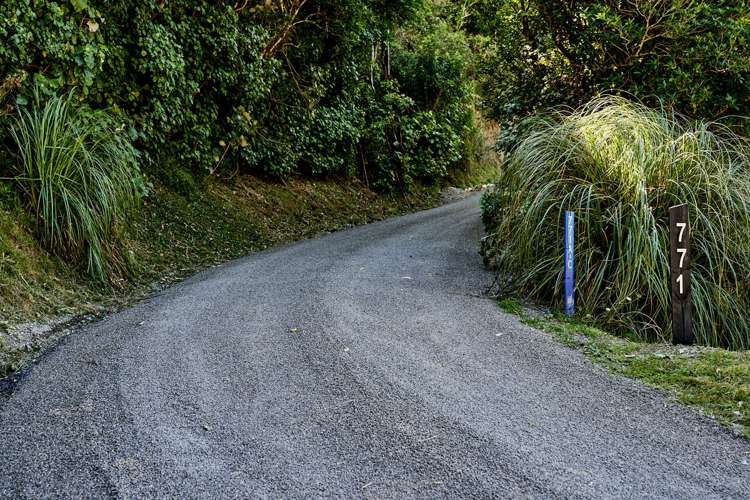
(364, 363)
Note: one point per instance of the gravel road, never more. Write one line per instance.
(364, 363)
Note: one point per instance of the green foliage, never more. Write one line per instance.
(510, 306)
(336, 128)
(432, 68)
(429, 146)
(690, 55)
(79, 176)
(620, 166)
(271, 87)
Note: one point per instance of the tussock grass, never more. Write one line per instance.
(620, 166)
(78, 176)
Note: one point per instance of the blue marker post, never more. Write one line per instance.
(569, 303)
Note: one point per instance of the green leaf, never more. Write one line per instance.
(80, 5)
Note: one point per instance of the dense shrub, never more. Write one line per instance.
(620, 166)
(78, 175)
(690, 55)
(270, 87)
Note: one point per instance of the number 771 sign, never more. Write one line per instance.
(680, 275)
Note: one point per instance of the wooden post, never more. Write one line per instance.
(680, 274)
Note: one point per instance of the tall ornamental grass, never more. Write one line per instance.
(79, 176)
(620, 166)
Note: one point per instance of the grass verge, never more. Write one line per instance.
(170, 237)
(715, 381)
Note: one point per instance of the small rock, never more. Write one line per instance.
(580, 339)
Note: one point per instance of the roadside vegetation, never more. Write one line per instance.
(618, 110)
(372, 89)
(620, 166)
(686, 55)
(78, 176)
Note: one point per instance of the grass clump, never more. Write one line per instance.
(510, 306)
(620, 166)
(78, 176)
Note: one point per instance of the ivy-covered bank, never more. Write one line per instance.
(366, 88)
